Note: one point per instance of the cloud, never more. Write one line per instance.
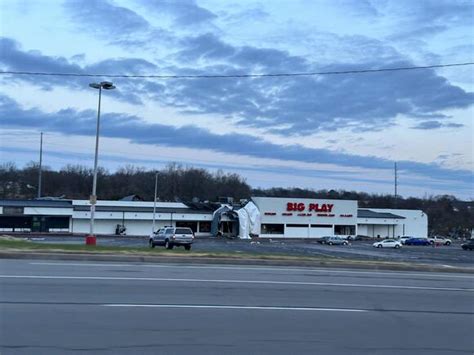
(73, 122)
(118, 25)
(421, 19)
(298, 105)
(104, 18)
(450, 12)
(427, 125)
(184, 12)
(303, 105)
(15, 59)
(359, 8)
(257, 14)
(206, 46)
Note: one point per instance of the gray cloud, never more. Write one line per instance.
(210, 47)
(459, 12)
(117, 25)
(184, 12)
(70, 121)
(245, 15)
(303, 105)
(206, 46)
(420, 19)
(427, 125)
(290, 105)
(359, 8)
(104, 18)
(14, 58)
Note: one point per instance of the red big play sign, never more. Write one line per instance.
(312, 207)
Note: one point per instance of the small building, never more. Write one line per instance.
(392, 223)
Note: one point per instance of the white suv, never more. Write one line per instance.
(440, 240)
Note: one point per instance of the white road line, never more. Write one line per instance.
(260, 282)
(270, 308)
(244, 268)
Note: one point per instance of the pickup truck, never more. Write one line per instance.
(170, 237)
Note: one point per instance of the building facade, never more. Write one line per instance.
(306, 218)
(277, 218)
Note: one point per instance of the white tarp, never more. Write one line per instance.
(249, 221)
(244, 224)
(254, 218)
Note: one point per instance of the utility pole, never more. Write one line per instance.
(40, 165)
(396, 184)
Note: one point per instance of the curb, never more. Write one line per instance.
(231, 261)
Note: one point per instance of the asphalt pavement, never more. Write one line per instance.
(451, 255)
(52, 307)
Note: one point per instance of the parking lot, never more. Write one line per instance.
(358, 250)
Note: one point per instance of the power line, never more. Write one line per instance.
(217, 76)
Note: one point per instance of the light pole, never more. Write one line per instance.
(40, 165)
(154, 203)
(106, 85)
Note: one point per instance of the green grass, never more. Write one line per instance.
(24, 245)
(29, 245)
(16, 245)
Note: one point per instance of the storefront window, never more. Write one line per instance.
(344, 230)
(273, 229)
(192, 225)
(321, 226)
(205, 227)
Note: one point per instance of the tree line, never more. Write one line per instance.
(175, 183)
(447, 215)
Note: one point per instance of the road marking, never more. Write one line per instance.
(270, 308)
(261, 282)
(427, 274)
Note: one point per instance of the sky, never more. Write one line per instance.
(318, 132)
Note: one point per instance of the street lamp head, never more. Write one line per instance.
(106, 85)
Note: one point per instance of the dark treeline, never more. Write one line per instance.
(175, 183)
(447, 215)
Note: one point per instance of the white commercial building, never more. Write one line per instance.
(377, 222)
(306, 218)
(262, 216)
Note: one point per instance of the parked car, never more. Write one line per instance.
(335, 241)
(361, 237)
(170, 237)
(440, 240)
(417, 241)
(323, 240)
(404, 238)
(469, 245)
(388, 243)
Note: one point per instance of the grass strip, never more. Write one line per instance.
(30, 246)
(26, 245)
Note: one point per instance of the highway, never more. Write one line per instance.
(59, 307)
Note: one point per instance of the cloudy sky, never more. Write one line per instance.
(320, 132)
